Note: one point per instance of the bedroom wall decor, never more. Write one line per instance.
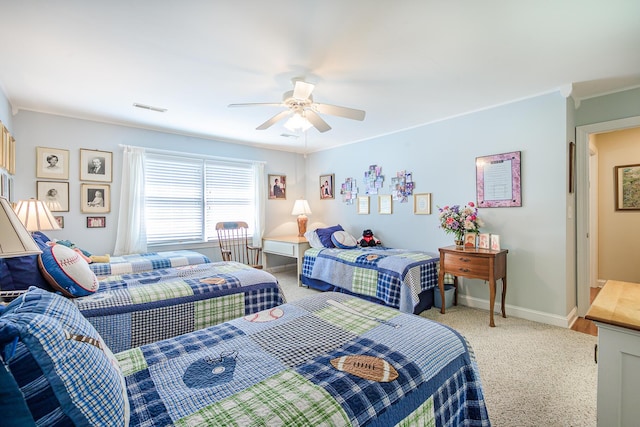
(96, 165)
(96, 222)
(52, 163)
(384, 204)
(498, 180)
(349, 191)
(402, 186)
(373, 179)
(277, 187)
(95, 198)
(627, 187)
(7, 150)
(363, 205)
(59, 220)
(327, 182)
(55, 194)
(422, 204)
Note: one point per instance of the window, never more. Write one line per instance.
(186, 196)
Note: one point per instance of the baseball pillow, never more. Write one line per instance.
(344, 240)
(67, 272)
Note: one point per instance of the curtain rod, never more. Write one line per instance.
(194, 155)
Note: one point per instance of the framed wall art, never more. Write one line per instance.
(59, 220)
(277, 187)
(363, 205)
(327, 186)
(422, 204)
(498, 180)
(52, 163)
(627, 192)
(55, 194)
(96, 222)
(384, 204)
(95, 198)
(96, 165)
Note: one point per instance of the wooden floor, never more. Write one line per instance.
(584, 325)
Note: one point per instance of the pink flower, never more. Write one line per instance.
(471, 204)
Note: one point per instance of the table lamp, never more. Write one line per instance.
(36, 216)
(301, 208)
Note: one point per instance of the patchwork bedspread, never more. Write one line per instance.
(130, 310)
(393, 276)
(136, 263)
(327, 360)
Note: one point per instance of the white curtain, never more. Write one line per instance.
(261, 202)
(131, 235)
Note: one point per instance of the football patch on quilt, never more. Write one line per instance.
(367, 367)
(213, 281)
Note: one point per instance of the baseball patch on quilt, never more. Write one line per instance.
(367, 367)
(265, 315)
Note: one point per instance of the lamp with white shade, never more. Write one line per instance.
(36, 216)
(15, 239)
(301, 208)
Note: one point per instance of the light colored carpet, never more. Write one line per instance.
(532, 374)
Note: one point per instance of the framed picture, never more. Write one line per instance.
(495, 242)
(96, 222)
(627, 187)
(55, 194)
(277, 187)
(96, 165)
(326, 186)
(95, 198)
(470, 239)
(59, 220)
(498, 180)
(52, 163)
(384, 204)
(363, 205)
(422, 204)
(483, 241)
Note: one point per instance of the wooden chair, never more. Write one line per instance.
(234, 244)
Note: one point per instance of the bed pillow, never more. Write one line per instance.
(58, 359)
(325, 235)
(313, 239)
(67, 272)
(344, 240)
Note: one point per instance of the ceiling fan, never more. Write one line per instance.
(302, 111)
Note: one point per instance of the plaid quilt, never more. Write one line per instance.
(136, 263)
(130, 310)
(300, 365)
(394, 276)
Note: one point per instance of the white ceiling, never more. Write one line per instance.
(406, 62)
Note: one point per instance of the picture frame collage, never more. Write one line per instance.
(7, 163)
(95, 174)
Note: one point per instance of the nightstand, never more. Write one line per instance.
(289, 246)
(474, 263)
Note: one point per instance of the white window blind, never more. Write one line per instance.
(185, 197)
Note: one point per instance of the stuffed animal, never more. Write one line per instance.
(368, 239)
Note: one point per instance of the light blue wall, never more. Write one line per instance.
(46, 130)
(5, 112)
(605, 108)
(442, 159)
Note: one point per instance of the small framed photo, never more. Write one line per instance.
(327, 186)
(95, 198)
(96, 165)
(422, 204)
(96, 222)
(277, 187)
(627, 188)
(363, 205)
(384, 204)
(470, 240)
(495, 242)
(55, 194)
(59, 220)
(483, 241)
(52, 163)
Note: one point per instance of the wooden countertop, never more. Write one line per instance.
(618, 303)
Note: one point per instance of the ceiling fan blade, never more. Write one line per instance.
(281, 115)
(302, 90)
(257, 104)
(334, 110)
(316, 121)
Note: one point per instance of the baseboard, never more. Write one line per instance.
(522, 313)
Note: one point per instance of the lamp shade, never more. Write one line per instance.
(36, 216)
(301, 207)
(15, 240)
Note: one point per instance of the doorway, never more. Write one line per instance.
(585, 228)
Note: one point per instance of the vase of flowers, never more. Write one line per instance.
(457, 221)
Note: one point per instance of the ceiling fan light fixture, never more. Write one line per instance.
(297, 122)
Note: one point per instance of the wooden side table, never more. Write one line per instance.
(474, 263)
(289, 246)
